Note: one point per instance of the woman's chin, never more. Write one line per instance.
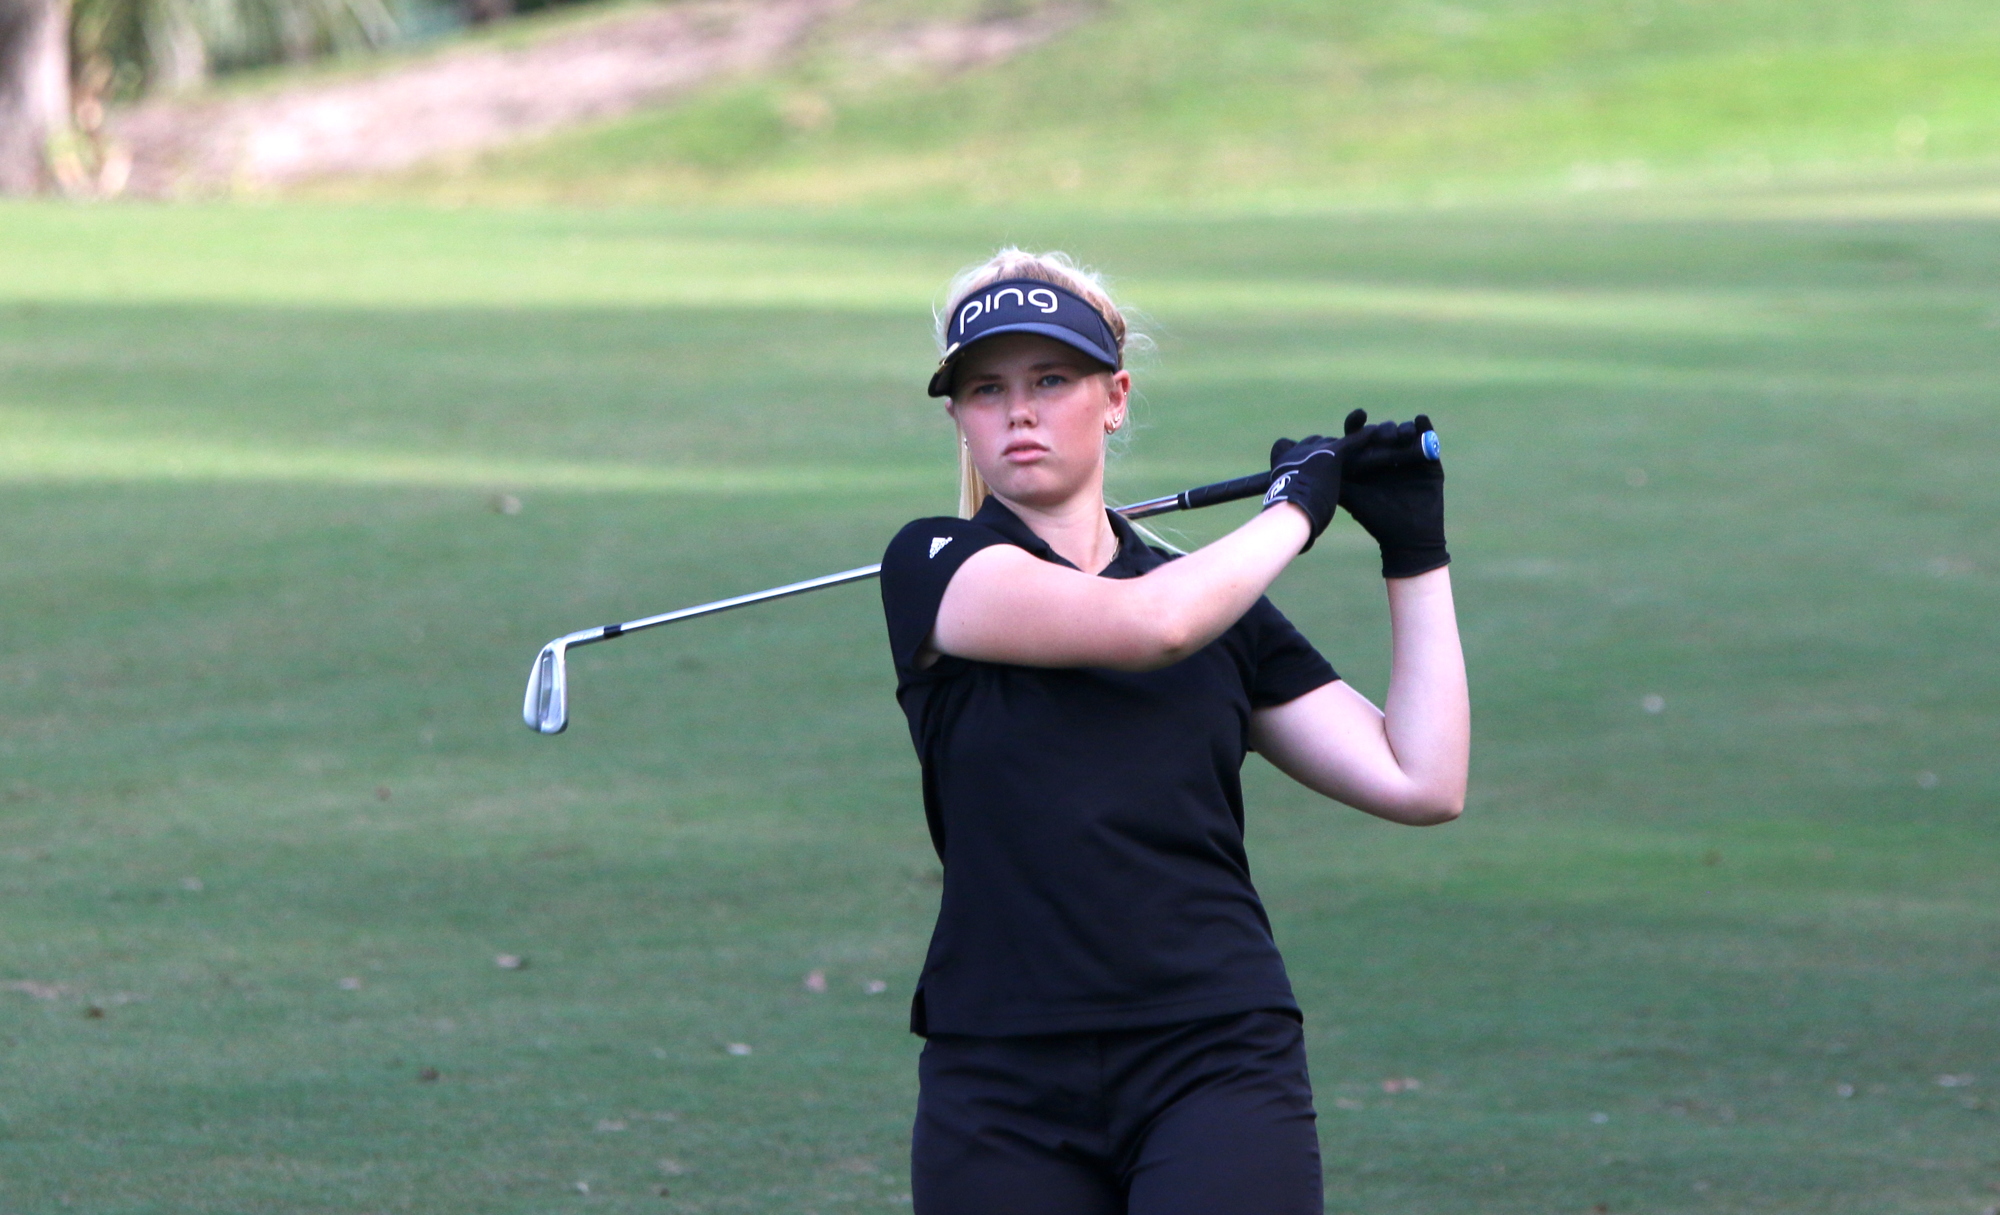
(1042, 493)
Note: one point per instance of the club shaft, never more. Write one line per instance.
(1198, 497)
(609, 631)
(1187, 499)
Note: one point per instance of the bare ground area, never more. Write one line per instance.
(472, 99)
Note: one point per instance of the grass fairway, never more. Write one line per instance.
(268, 807)
(1292, 102)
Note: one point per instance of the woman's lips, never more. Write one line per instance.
(1023, 451)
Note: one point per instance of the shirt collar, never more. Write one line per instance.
(1134, 557)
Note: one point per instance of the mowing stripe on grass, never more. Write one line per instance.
(46, 458)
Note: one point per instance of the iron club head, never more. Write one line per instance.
(546, 707)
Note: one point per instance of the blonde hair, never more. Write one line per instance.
(1052, 267)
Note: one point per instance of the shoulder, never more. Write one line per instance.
(916, 568)
(923, 542)
(1264, 627)
(1264, 614)
(922, 558)
(1282, 664)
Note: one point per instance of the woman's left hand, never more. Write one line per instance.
(1395, 491)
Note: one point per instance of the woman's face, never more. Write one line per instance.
(1034, 413)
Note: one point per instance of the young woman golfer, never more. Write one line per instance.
(1110, 1028)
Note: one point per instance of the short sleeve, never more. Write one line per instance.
(916, 569)
(1285, 666)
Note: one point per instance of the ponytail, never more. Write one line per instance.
(972, 489)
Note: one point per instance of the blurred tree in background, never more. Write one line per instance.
(135, 46)
(34, 89)
(63, 61)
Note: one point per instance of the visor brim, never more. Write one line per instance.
(940, 385)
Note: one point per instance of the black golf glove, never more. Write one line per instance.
(1306, 473)
(1396, 494)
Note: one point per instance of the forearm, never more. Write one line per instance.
(1004, 605)
(1427, 715)
(1185, 604)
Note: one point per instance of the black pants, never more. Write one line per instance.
(1205, 1118)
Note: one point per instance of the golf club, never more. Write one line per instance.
(545, 709)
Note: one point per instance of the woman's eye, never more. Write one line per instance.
(1052, 380)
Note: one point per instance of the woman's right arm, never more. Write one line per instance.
(1006, 605)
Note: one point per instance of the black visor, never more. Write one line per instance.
(1025, 305)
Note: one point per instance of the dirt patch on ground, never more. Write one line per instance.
(956, 46)
(472, 99)
(459, 101)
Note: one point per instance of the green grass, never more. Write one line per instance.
(266, 638)
(1278, 103)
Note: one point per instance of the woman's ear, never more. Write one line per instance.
(1119, 392)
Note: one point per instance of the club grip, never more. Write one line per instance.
(1225, 491)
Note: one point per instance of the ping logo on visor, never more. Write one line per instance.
(1023, 305)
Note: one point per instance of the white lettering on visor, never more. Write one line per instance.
(1043, 300)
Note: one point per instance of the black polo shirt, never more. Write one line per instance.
(1090, 821)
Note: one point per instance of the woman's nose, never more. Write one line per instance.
(1021, 407)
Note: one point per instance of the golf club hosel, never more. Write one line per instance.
(545, 708)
